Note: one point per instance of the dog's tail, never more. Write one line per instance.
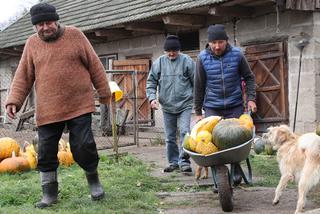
(310, 142)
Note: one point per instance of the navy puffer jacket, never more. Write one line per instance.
(223, 85)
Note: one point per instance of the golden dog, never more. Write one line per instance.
(198, 172)
(298, 158)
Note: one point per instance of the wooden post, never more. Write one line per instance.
(114, 128)
(135, 115)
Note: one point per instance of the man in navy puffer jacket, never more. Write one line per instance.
(220, 70)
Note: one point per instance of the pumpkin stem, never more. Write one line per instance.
(25, 145)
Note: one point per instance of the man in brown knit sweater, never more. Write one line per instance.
(61, 63)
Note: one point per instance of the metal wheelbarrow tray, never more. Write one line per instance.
(223, 178)
(227, 156)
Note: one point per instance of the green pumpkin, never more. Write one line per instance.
(318, 129)
(229, 133)
(258, 145)
(186, 142)
(268, 149)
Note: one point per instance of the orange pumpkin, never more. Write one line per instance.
(65, 156)
(7, 146)
(247, 120)
(30, 154)
(14, 164)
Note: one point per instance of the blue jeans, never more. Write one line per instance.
(175, 154)
(233, 112)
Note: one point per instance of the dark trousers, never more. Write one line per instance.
(233, 112)
(82, 144)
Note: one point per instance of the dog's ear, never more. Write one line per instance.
(285, 128)
(283, 135)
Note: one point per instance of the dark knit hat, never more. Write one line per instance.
(43, 12)
(216, 32)
(172, 43)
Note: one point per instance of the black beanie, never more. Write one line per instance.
(43, 12)
(172, 43)
(216, 32)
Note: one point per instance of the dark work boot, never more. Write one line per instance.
(237, 176)
(49, 186)
(96, 189)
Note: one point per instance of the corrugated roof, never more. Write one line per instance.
(95, 14)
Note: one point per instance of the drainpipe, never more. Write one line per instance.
(300, 45)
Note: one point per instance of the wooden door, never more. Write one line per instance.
(268, 63)
(124, 80)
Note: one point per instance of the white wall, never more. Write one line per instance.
(6, 68)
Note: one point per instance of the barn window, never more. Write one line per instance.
(106, 60)
(189, 40)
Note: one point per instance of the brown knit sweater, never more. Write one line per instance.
(64, 73)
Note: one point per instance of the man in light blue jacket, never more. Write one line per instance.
(173, 75)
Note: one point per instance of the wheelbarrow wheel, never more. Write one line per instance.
(224, 188)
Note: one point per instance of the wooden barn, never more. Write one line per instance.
(279, 37)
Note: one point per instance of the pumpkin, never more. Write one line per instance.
(30, 154)
(186, 142)
(213, 121)
(193, 144)
(206, 148)
(318, 129)
(247, 119)
(269, 149)
(65, 156)
(14, 164)
(204, 136)
(7, 146)
(230, 133)
(207, 123)
(258, 145)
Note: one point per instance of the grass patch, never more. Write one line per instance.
(265, 169)
(129, 187)
(128, 184)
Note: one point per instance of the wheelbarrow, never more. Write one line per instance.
(224, 177)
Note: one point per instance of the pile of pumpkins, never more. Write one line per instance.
(260, 146)
(14, 159)
(212, 134)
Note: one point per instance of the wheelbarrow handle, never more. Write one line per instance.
(249, 112)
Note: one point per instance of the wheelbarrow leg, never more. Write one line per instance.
(214, 178)
(237, 177)
(248, 180)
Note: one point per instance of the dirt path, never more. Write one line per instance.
(246, 200)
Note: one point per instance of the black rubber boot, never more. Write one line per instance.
(49, 189)
(237, 177)
(96, 189)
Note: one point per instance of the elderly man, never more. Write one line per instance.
(62, 64)
(173, 74)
